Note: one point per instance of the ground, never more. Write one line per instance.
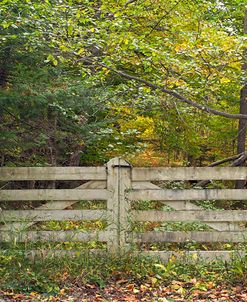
(122, 290)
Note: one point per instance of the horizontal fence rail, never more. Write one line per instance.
(206, 194)
(121, 186)
(54, 194)
(52, 173)
(56, 215)
(177, 236)
(189, 173)
(205, 215)
(55, 236)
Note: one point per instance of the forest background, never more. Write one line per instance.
(84, 81)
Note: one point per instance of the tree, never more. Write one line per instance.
(243, 108)
(159, 56)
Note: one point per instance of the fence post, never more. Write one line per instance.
(118, 181)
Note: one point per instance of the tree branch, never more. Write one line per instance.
(238, 160)
(174, 94)
(162, 18)
(225, 160)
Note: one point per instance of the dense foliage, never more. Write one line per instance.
(64, 97)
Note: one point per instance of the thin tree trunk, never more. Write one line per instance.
(243, 110)
(53, 149)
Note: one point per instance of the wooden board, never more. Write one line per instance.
(189, 173)
(118, 180)
(187, 205)
(203, 215)
(195, 255)
(47, 215)
(54, 236)
(54, 205)
(193, 194)
(54, 194)
(52, 173)
(176, 236)
(164, 256)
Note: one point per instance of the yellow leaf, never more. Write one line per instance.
(33, 294)
(224, 81)
(161, 266)
(135, 290)
(63, 48)
(154, 280)
(70, 30)
(143, 288)
(175, 286)
(80, 51)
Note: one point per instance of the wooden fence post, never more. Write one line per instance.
(118, 181)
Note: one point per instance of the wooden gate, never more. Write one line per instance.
(120, 186)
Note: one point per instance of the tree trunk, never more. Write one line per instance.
(243, 110)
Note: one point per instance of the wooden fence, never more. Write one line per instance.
(120, 185)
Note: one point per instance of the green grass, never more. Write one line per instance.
(49, 274)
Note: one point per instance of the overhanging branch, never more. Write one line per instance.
(174, 94)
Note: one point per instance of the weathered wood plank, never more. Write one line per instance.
(47, 215)
(175, 204)
(124, 203)
(138, 174)
(52, 173)
(54, 236)
(193, 194)
(203, 215)
(54, 194)
(113, 204)
(176, 236)
(189, 173)
(196, 255)
(164, 256)
(55, 205)
(187, 205)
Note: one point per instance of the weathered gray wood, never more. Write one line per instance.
(164, 256)
(118, 181)
(177, 204)
(47, 215)
(54, 194)
(193, 194)
(52, 173)
(54, 236)
(43, 253)
(204, 215)
(196, 255)
(175, 236)
(54, 205)
(187, 205)
(113, 204)
(63, 204)
(189, 173)
(117, 184)
(123, 203)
